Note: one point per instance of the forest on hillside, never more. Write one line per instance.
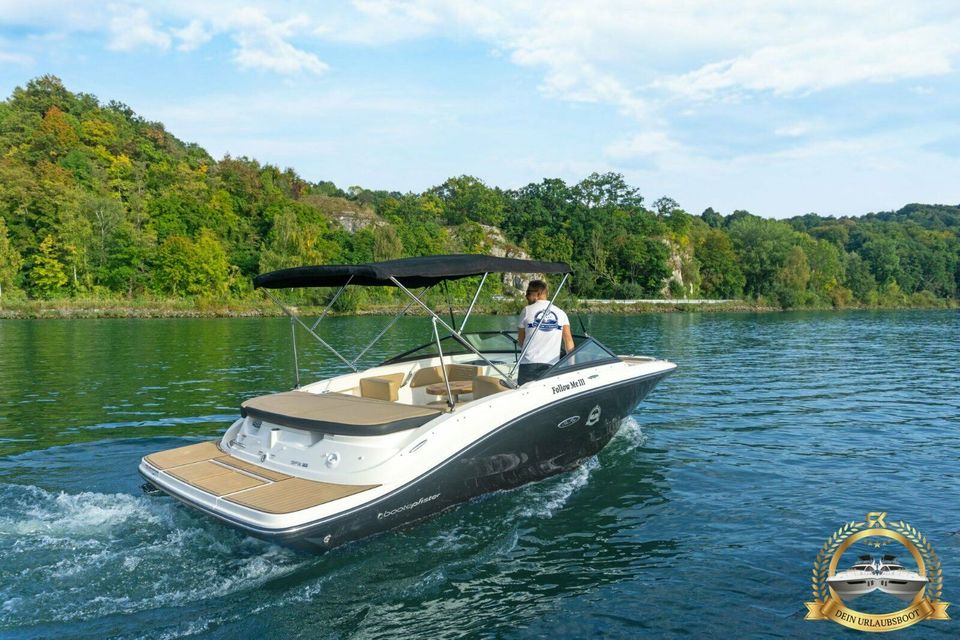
(96, 202)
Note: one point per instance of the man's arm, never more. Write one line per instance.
(567, 338)
(521, 335)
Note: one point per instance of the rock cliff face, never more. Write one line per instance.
(354, 217)
(350, 215)
(498, 245)
(684, 278)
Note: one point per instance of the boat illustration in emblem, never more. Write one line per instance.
(858, 580)
(894, 579)
(886, 574)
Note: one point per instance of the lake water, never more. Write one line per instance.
(703, 516)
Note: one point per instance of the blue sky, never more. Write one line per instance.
(780, 108)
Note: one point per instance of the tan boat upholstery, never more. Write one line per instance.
(206, 467)
(337, 413)
(487, 386)
(430, 375)
(386, 387)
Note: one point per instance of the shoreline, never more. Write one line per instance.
(83, 309)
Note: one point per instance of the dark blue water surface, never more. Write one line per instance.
(702, 517)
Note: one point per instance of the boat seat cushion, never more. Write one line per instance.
(385, 387)
(337, 413)
(455, 372)
(487, 386)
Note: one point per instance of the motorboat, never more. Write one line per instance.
(860, 579)
(895, 579)
(369, 450)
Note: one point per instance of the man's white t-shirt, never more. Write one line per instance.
(545, 348)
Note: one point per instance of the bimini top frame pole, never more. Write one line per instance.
(330, 304)
(296, 319)
(470, 310)
(392, 322)
(453, 332)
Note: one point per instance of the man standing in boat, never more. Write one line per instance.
(546, 329)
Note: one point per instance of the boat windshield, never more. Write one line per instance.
(587, 353)
(486, 342)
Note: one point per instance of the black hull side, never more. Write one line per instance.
(540, 444)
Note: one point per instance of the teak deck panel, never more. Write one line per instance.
(228, 483)
(252, 468)
(214, 478)
(206, 467)
(294, 494)
(185, 455)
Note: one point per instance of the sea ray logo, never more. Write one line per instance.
(594, 416)
(569, 422)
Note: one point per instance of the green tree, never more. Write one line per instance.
(47, 275)
(762, 247)
(185, 267)
(858, 278)
(213, 270)
(10, 260)
(792, 279)
(386, 243)
(826, 269)
(720, 273)
(712, 218)
(665, 206)
(606, 190)
(127, 266)
(466, 198)
(543, 245)
(880, 253)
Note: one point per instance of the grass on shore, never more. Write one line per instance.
(206, 308)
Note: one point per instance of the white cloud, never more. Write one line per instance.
(624, 53)
(274, 54)
(825, 62)
(263, 43)
(193, 35)
(648, 144)
(798, 129)
(133, 28)
(15, 58)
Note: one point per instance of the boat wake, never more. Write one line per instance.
(549, 497)
(630, 436)
(133, 552)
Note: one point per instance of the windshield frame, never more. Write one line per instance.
(412, 354)
(558, 368)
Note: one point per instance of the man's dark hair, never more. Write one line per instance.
(537, 286)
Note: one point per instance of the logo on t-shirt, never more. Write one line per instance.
(550, 323)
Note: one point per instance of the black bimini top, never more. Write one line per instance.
(410, 272)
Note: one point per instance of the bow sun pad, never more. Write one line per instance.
(337, 413)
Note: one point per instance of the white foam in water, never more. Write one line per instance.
(451, 540)
(546, 503)
(49, 514)
(630, 434)
(58, 548)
